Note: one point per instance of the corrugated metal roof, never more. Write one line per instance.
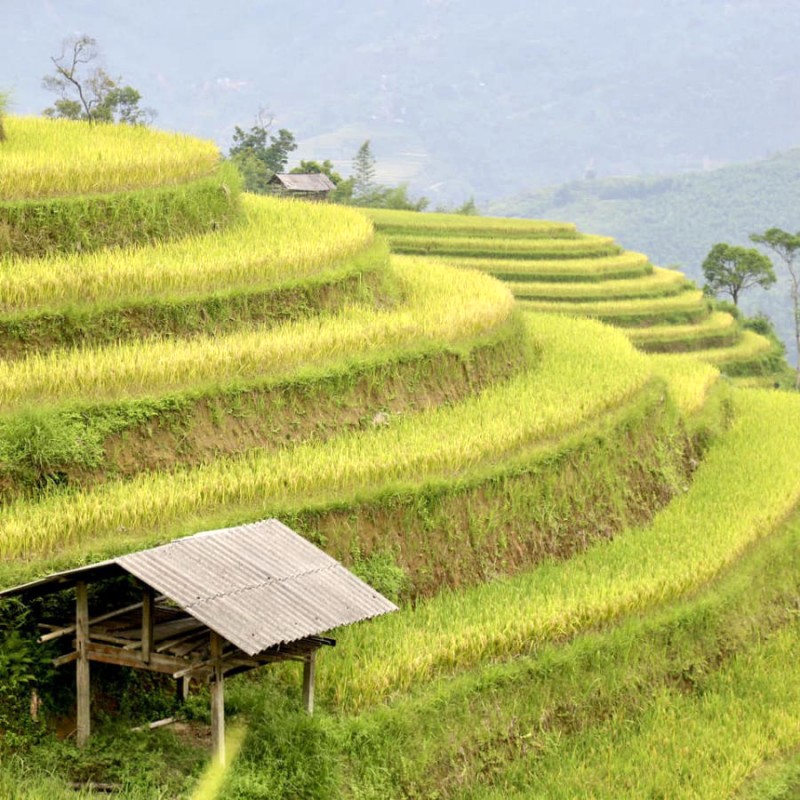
(256, 585)
(311, 182)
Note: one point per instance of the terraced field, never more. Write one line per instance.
(594, 547)
(555, 269)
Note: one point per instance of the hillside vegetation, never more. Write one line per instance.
(677, 218)
(578, 524)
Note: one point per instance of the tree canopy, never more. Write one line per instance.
(730, 270)
(259, 154)
(90, 93)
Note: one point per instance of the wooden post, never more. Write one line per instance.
(309, 666)
(82, 663)
(147, 623)
(217, 701)
(182, 689)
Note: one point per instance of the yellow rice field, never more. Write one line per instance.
(660, 283)
(278, 241)
(583, 369)
(49, 158)
(441, 305)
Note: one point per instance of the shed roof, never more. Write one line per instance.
(257, 585)
(310, 182)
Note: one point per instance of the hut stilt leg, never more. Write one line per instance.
(309, 667)
(217, 701)
(82, 663)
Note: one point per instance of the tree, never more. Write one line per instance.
(731, 270)
(786, 246)
(260, 154)
(90, 93)
(364, 186)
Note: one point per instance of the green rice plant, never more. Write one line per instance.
(701, 744)
(719, 329)
(686, 306)
(49, 158)
(583, 370)
(410, 222)
(438, 308)
(277, 241)
(660, 283)
(744, 488)
(625, 265)
(527, 248)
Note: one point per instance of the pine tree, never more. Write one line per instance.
(364, 186)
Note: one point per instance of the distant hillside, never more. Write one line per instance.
(676, 219)
(455, 99)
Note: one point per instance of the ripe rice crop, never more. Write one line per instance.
(583, 370)
(49, 158)
(689, 380)
(751, 345)
(581, 247)
(746, 485)
(623, 265)
(440, 306)
(278, 241)
(718, 325)
(660, 283)
(411, 222)
(622, 312)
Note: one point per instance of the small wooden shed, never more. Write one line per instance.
(212, 604)
(309, 186)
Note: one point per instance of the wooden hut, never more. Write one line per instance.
(308, 186)
(213, 604)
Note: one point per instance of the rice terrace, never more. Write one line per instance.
(569, 468)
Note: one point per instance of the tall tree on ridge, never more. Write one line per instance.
(731, 270)
(786, 246)
(89, 93)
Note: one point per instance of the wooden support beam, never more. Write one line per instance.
(309, 668)
(147, 623)
(57, 631)
(82, 664)
(217, 701)
(108, 654)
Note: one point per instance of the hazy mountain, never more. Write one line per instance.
(457, 96)
(676, 219)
